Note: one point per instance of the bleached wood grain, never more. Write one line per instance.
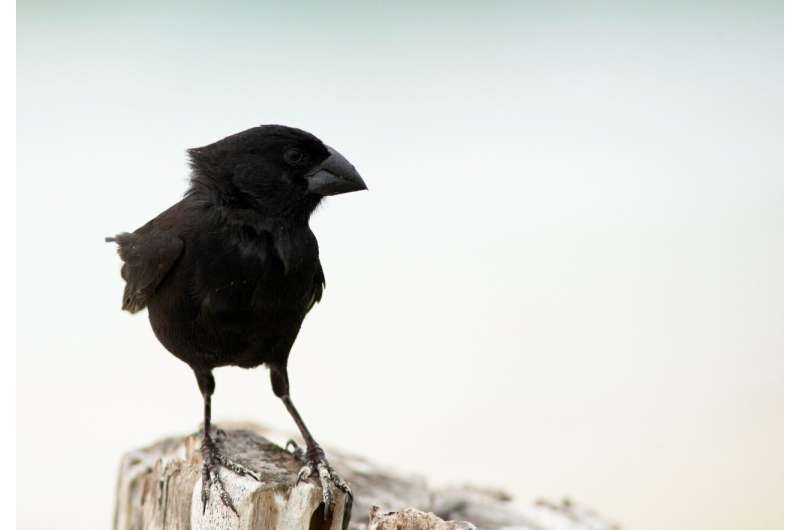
(159, 488)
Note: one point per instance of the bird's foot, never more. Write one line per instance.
(315, 462)
(213, 459)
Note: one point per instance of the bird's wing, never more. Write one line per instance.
(316, 292)
(147, 258)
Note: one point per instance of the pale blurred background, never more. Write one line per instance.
(565, 280)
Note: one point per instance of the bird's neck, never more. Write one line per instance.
(287, 230)
(259, 213)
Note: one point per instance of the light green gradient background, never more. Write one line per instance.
(565, 279)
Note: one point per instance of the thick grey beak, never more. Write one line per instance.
(334, 175)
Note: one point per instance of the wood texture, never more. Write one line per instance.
(159, 488)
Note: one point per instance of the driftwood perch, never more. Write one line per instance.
(159, 488)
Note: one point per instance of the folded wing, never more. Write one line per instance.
(147, 259)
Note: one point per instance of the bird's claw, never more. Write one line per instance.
(237, 468)
(315, 462)
(296, 451)
(304, 474)
(213, 459)
(211, 476)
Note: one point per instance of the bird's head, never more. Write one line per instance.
(273, 169)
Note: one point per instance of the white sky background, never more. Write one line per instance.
(565, 279)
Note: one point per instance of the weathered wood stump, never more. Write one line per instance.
(159, 488)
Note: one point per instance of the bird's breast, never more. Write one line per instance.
(251, 280)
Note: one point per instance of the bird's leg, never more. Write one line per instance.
(313, 458)
(212, 457)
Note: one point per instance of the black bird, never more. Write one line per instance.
(229, 273)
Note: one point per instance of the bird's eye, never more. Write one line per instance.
(293, 156)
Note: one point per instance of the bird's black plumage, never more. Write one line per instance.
(229, 272)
